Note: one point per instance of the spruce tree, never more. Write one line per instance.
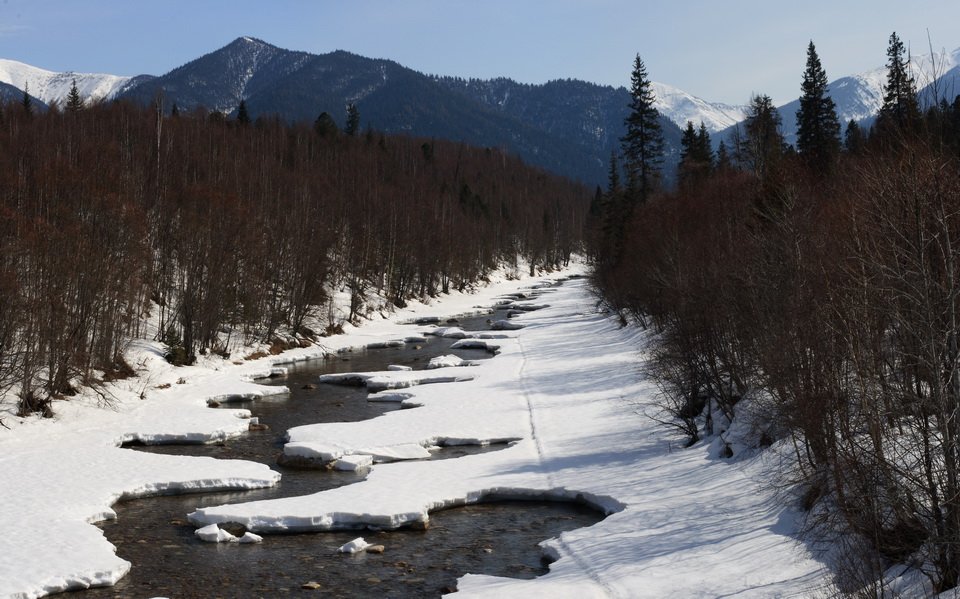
(761, 145)
(353, 120)
(613, 175)
(27, 101)
(818, 127)
(74, 101)
(175, 111)
(704, 146)
(723, 163)
(325, 126)
(243, 117)
(853, 138)
(643, 142)
(901, 110)
(688, 143)
(696, 155)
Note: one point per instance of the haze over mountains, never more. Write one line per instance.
(566, 126)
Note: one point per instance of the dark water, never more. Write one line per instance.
(168, 560)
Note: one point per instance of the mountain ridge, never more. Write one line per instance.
(564, 125)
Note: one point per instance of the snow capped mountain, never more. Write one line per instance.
(859, 97)
(51, 86)
(680, 107)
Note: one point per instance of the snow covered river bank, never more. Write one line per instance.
(566, 388)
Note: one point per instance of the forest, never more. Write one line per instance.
(212, 229)
(815, 291)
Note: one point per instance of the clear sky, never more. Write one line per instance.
(718, 50)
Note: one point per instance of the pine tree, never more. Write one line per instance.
(353, 120)
(613, 175)
(723, 163)
(243, 117)
(688, 142)
(704, 146)
(175, 111)
(853, 138)
(643, 143)
(74, 101)
(761, 145)
(325, 126)
(27, 101)
(901, 110)
(696, 154)
(818, 127)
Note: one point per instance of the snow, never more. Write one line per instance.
(565, 391)
(354, 463)
(449, 361)
(355, 546)
(51, 86)
(214, 534)
(680, 107)
(392, 379)
(680, 522)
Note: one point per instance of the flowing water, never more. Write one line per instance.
(493, 538)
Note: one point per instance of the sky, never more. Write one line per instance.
(719, 51)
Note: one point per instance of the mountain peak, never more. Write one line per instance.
(51, 86)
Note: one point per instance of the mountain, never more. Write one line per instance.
(859, 97)
(568, 127)
(50, 86)
(575, 113)
(9, 93)
(680, 107)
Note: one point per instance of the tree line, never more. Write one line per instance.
(217, 229)
(822, 283)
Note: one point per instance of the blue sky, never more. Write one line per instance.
(720, 51)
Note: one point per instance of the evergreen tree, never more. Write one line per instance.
(353, 120)
(688, 142)
(175, 111)
(243, 117)
(325, 126)
(723, 163)
(761, 146)
(901, 110)
(643, 143)
(613, 175)
(818, 128)
(696, 155)
(853, 138)
(74, 101)
(704, 146)
(27, 101)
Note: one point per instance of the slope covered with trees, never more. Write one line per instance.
(227, 228)
(816, 296)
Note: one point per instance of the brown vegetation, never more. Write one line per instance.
(231, 230)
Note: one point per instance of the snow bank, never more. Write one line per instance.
(59, 475)
(680, 522)
(449, 361)
(380, 381)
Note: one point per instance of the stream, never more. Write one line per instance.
(168, 560)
